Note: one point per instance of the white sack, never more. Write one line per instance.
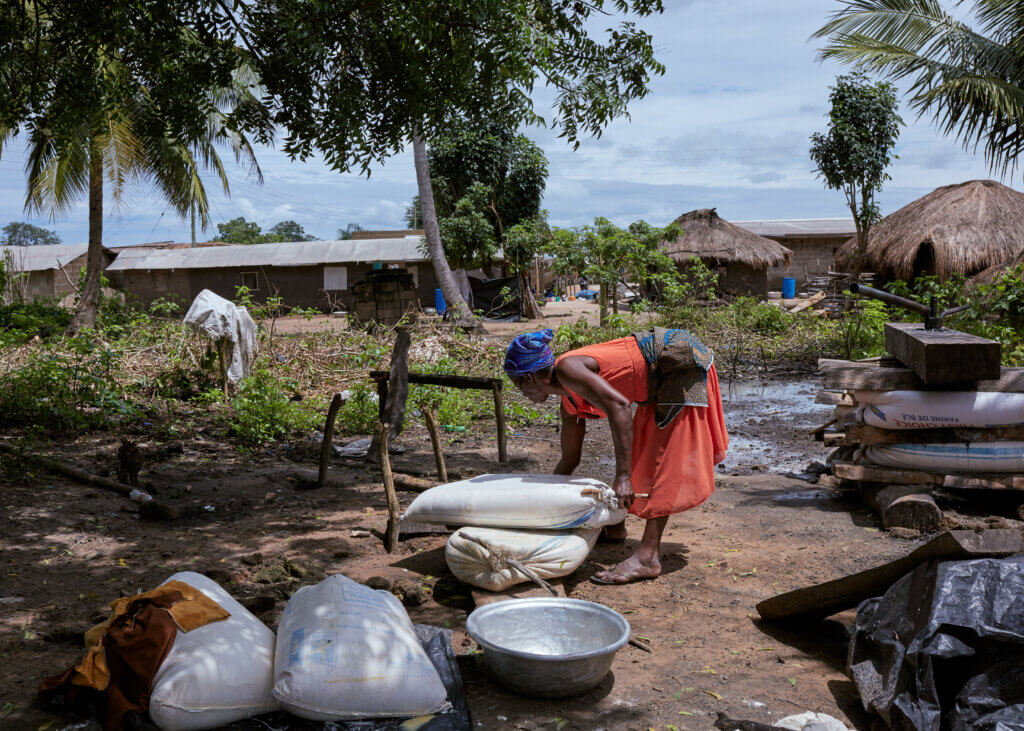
(938, 409)
(224, 320)
(346, 651)
(537, 502)
(811, 721)
(218, 673)
(965, 457)
(479, 556)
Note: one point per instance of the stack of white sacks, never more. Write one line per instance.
(544, 523)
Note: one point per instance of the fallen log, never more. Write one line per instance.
(903, 506)
(149, 507)
(412, 484)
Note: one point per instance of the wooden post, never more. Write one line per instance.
(903, 506)
(435, 440)
(499, 417)
(325, 445)
(382, 397)
(391, 536)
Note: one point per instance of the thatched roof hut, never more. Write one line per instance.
(988, 276)
(709, 237)
(956, 229)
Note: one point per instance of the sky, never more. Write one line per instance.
(726, 127)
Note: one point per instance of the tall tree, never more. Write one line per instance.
(856, 151)
(17, 233)
(289, 231)
(968, 78)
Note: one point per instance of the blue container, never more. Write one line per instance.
(788, 288)
(378, 265)
(439, 304)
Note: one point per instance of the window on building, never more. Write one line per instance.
(251, 280)
(335, 278)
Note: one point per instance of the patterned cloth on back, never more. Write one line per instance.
(678, 368)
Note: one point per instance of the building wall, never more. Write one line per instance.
(812, 256)
(297, 286)
(52, 284)
(744, 279)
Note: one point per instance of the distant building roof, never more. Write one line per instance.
(801, 228)
(41, 258)
(361, 235)
(294, 254)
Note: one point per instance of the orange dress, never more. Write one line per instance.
(674, 465)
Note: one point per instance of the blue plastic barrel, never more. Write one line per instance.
(788, 288)
(378, 265)
(439, 304)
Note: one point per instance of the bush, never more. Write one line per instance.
(66, 392)
(22, 321)
(264, 409)
(359, 412)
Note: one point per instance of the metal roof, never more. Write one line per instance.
(801, 228)
(295, 254)
(41, 258)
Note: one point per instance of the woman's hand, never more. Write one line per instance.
(623, 487)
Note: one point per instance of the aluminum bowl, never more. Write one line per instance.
(548, 648)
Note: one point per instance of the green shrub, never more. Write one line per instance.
(22, 321)
(264, 410)
(359, 412)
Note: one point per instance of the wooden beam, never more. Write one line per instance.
(834, 398)
(325, 444)
(868, 435)
(435, 442)
(854, 375)
(892, 476)
(499, 418)
(943, 357)
(438, 379)
(391, 535)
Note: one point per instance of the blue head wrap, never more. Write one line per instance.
(529, 353)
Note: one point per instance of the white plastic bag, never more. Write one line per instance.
(965, 457)
(531, 502)
(346, 651)
(480, 556)
(223, 320)
(938, 409)
(218, 673)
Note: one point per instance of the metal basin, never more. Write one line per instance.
(548, 648)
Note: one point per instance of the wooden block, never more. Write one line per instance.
(941, 357)
(892, 476)
(983, 482)
(857, 376)
(867, 435)
(835, 398)
(903, 506)
(482, 597)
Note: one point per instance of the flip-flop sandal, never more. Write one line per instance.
(603, 537)
(636, 579)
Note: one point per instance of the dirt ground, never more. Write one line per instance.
(69, 550)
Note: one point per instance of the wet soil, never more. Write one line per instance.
(68, 550)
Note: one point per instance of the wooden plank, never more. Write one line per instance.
(834, 596)
(809, 302)
(438, 379)
(892, 476)
(856, 376)
(482, 597)
(943, 357)
(834, 398)
(867, 435)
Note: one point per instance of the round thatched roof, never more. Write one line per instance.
(989, 275)
(707, 236)
(955, 229)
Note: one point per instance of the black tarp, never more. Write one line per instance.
(490, 298)
(943, 648)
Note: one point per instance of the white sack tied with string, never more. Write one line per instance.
(225, 322)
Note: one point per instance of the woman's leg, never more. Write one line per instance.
(645, 563)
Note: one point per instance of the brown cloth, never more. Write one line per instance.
(126, 651)
(678, 365)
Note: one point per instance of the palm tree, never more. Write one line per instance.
(970, 80)
(123, 145)
(442, 271)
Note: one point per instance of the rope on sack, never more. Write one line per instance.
(499, 562)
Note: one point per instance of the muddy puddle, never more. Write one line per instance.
(768, 424)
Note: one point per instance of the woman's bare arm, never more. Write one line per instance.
(572, 433)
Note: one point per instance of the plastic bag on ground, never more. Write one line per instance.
(940, 409)
(480, 556)
(223, 320)
(346, 651)
(811, 721)
(944, 647)
(963, 457)
(531, 502)
(215, 674)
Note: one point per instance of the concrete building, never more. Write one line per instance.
(48, 272)
(812, 241)
(314, 274)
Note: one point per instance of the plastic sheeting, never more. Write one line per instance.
(944, 648)
(224, 321)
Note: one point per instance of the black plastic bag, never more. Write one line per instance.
(944, 648)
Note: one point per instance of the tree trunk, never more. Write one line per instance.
(193, 207)
(530, 309)
(88, 300)
(452, 295)
(603, 297)
(615, 298)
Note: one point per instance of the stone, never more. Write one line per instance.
(260, 604)
(409, 592)
(270, 497)
(253, 559)
(219, 574)
(907, 534)
(378, 582)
